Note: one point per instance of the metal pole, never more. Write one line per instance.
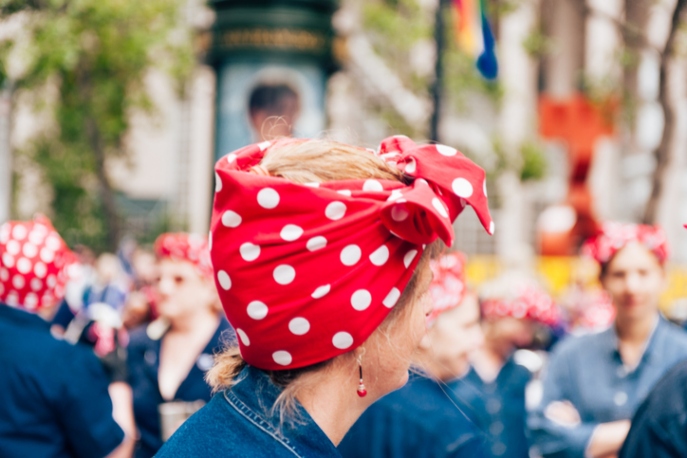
(436, 88)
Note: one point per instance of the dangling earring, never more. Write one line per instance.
(362, 392)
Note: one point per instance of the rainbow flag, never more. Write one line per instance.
(474, 35)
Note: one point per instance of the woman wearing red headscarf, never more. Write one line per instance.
(594, 383)
(320, 252)
(424, 419)
(659, 428)
(513, 306)
(167, 359)
(54, 399)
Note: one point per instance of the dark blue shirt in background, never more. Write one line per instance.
(143, 362)
(53, 395)
(238, 423)
(659, 428)
(589, 372)
(499, 408)
(421, 420)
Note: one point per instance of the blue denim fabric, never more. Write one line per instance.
(143, 362)
(238, 422)
(421, 420)
(588, 372)
(53, 395)
(499, 408)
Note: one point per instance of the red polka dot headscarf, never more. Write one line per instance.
(448, 286)
(185, 247)
(527, 302)
(306, 272)
(518, 296)
(614, 236)
(33, 264)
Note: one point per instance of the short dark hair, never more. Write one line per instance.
(270, 97)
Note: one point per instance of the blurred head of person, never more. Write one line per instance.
(631, 259)
(454, 325)
(273, 109)
(34, 266)
(184, 284)
(513, 306)
(144, 266)
(321, 254)
(108, 269)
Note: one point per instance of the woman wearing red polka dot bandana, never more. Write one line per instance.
(594, 383)
(320, 252)
(54, 397)
(168, 359)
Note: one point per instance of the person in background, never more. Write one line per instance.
(140, 307)
(321, 255)
(594, 383)
(495, 386)
(273, 109)
(168, 358)
(54, 397)
(423, 419)
(659, 427)
(108, 288)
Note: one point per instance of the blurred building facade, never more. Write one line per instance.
(172, 155)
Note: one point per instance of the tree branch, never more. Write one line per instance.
(663, 152)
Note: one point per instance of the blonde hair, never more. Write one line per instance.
(307, 162)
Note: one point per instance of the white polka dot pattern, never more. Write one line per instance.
(361, 299)
(289, 257)
(29, 252)
(268, 198)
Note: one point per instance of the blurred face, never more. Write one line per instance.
(635, 280)
(452, 337)
(510, 331)
(388, 351)
(181, 289)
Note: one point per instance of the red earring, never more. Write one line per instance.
(362, 392)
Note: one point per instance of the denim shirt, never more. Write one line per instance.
(498, 407)
(53, 395)
(588, 371)
(421, 420)
(238, 422)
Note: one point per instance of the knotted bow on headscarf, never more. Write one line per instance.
(306, 272)
(614, 236)
(185, 247)
(33, 264)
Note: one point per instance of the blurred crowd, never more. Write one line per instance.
(153, 319)
(109, 355)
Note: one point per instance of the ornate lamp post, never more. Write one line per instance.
(272, 59)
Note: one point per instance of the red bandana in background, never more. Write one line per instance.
(448, 286)
(307, 272)
(33, 264)
(614, 236)
(185, 247)
(527, 302)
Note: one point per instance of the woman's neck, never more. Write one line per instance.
(332, 402)
(635, 331)
(489, 359)
(200, 320)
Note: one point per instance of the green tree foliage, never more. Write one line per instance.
(93, 55)
(395, 28)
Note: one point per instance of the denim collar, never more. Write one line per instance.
(657, 333)
(253, 397)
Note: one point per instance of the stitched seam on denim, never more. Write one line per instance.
(246, 412)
